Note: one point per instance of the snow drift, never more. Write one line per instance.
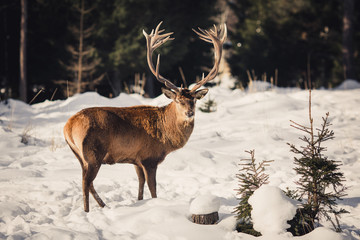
(270, 217)
(40, 182)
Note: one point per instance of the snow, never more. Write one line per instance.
(348, 84)
(40, 183)
(205, 204)
(255, 86)
(270, 217)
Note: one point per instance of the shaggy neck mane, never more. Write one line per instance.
(177, 129)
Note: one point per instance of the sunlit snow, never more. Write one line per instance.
(40, 182)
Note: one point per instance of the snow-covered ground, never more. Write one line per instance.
(40, 182)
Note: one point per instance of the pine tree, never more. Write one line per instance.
(251, 176)
(84, 62)
(320, 182)
(208, 106)
(348, 38)
(276, 31)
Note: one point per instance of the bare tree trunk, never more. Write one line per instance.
(348, 33)
(81, 39)
(23, 30)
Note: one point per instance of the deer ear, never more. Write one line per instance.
(199, 94)
(168, 93)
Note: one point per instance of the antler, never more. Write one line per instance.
(153, 41)
(212, 36)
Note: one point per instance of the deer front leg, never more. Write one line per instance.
(150, 176)
(141, 177)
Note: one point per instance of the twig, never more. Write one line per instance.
(143, 82)
(36, 95)
(53, 94)
(183, 77)
(111, 85)
(249, 75)
(67, 88)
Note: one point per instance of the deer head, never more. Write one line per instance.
(184, 98)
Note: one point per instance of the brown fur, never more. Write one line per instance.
(140, 135)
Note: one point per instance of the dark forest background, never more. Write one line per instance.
(74, 46)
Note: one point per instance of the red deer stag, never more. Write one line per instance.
(140, 135)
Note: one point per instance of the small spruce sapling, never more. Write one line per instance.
(208, 106)
(320, 182)
(250, 177)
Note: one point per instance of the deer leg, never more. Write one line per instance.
(141, 177)
(88, 177)
(96, 196)
(85, 186)
(84, 177)
(150, 176)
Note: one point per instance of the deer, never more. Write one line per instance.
(139, 135)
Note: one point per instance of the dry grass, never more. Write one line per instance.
(9, 126)
(26, 134)
(55, 143)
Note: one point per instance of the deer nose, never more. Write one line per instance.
(190, 114)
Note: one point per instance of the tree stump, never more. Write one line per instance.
(206, 219)
(204, 209)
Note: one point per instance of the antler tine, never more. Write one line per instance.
(159, 42)
(215, 31)
(203, 35)
(225, 34)
(157, 27)
(153, 41)
(157, 66)
(212, 36)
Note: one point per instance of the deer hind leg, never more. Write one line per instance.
(96, 196)
(85, 187)
(89, 174)
(84, 176)
(141, 176)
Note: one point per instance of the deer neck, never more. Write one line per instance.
(177, 128)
